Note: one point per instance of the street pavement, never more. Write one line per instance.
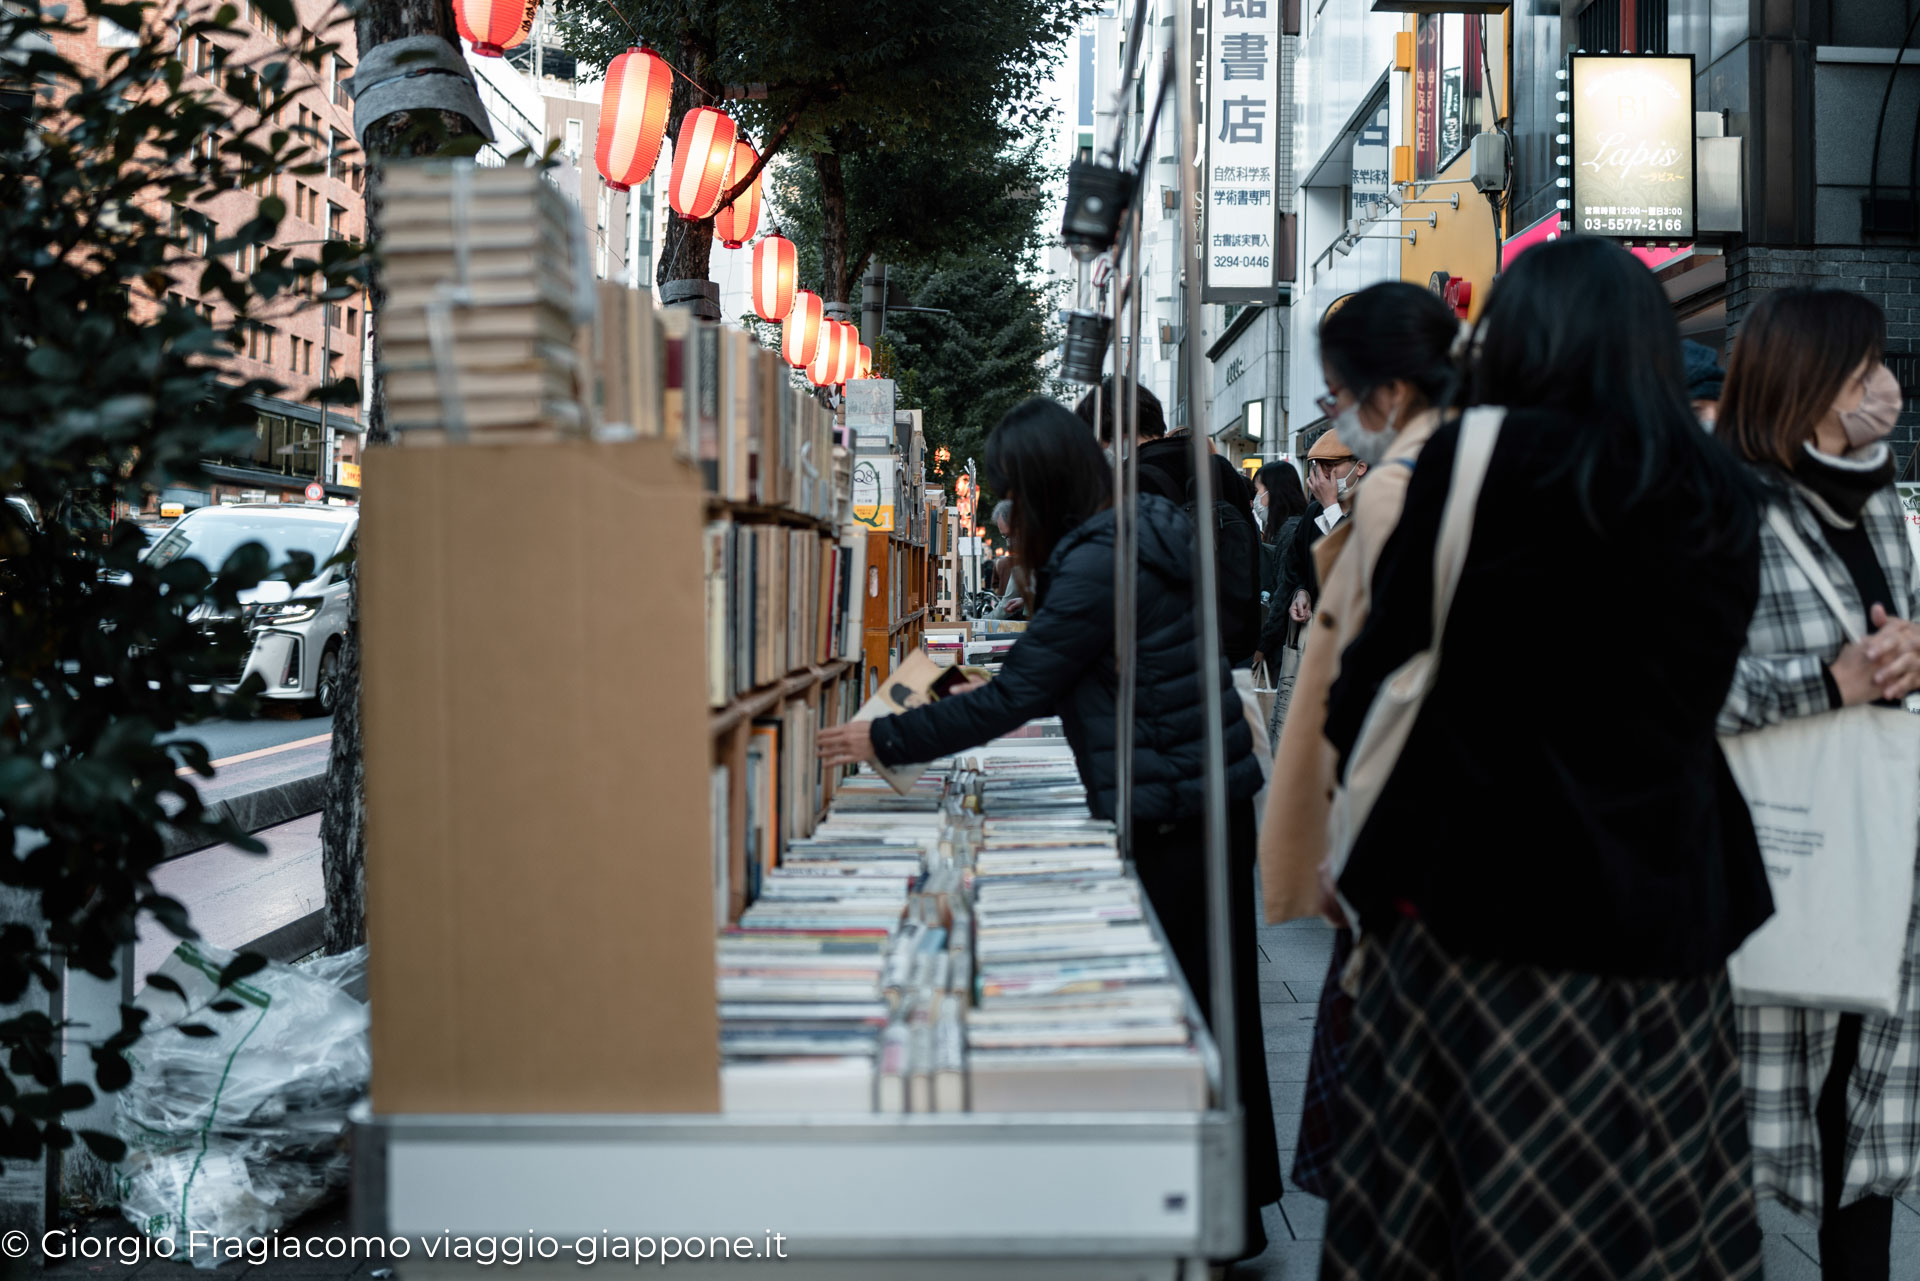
(234, 898)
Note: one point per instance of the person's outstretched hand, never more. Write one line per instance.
(847, 744)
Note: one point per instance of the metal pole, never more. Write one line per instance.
(1127, 550)
(1206, 601)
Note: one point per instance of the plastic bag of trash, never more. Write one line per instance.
(240, 1127)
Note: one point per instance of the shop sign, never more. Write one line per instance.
(1244, 115)
(1548, 228)
(349, 474)
(873, 493)
(1631, 153)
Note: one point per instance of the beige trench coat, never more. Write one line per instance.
(1293, 833)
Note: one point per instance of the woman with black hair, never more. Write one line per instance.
(1543, 1079)
(1046, 461)
(1387, 359)
(1834, 1097)
(1278, 500)
(1278, 497)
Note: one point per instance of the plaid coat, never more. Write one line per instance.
(1785, 1052)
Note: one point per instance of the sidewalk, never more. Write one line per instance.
(1293, 964)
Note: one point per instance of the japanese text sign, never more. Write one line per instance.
(1245, 116)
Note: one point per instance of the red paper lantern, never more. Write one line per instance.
(494, 26)
(866, 362)
(736, 222)
(633, 117)
(775, 263)
(846, 364)
(800, 340)
(702, 158)
(824, 369)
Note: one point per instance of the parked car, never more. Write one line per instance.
(296, 629)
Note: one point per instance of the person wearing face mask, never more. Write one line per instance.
(1333, 472)
(1389, 375)
(1833, 1098)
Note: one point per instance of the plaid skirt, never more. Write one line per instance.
(1507, 1122)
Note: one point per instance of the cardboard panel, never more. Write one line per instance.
(538, 861)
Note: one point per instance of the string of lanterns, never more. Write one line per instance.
(709, 157)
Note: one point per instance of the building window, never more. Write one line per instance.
(342, 72)
(573, 140)
(1624, 26)
(1450, 106)
(190, 229)
(336, 222)
(256, 340)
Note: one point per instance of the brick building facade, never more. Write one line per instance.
(296, 341)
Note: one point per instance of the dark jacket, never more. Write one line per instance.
(1063, 664)
(1166, 469)
(1278, 584)
(1562, 800)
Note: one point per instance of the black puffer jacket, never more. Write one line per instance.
(1063, 664)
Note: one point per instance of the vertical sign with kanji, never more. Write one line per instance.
(1245, 116)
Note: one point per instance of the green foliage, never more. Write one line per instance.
(898, 67)
(965, 370)
(106, 194)
(955, 191)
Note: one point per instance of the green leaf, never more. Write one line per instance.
(242, 966)
(109, 1148)
(166, 984)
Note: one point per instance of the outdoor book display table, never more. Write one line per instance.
(543, 873)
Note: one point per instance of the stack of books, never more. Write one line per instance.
(988, 651)
(826, 953)
(478, 333)
(945, 645)
(1078, 1004)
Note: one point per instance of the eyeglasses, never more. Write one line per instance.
(1327, 403)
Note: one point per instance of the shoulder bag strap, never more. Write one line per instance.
(1803, 557)
(1478, 432)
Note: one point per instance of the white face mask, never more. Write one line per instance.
(1368, 446)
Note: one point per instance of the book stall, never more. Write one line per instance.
(640, 966)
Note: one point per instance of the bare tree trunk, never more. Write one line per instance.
(833, 226)
(688, 249)
(343, 825)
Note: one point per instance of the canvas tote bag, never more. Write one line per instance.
(1836, 805)
(1383, 734)
(1285, 672)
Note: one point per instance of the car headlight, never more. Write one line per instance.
(287, 611)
